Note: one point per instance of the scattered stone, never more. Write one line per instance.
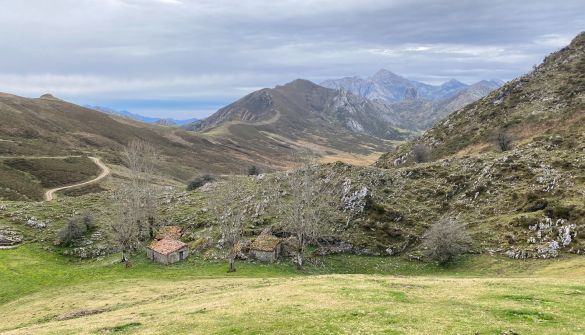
(547, 237)
(34, 223)
(87, 252)
(9, 238)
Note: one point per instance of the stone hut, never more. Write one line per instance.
(266, 248)
(167, 251)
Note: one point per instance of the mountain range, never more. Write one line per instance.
(419, 105)
(301, 107)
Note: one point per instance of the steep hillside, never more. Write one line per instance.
(527, 201)
(544, 107)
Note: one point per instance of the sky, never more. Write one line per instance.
(183, 59)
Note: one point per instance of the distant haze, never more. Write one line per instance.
(183, 59)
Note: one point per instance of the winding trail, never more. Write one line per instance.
(50, 194)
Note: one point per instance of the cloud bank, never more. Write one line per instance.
(199, 55)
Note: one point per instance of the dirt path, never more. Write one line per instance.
(49, 195)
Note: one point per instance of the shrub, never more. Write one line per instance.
(445, 241)
(421, 153)
(503, 139)
(199, 181)
(75, 229)
(253, 171)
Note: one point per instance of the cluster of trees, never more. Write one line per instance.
(305, 203)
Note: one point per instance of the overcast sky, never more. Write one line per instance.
(181, 58)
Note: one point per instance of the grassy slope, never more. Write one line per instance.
(24, 179)
(382, 295)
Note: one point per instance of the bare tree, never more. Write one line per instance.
(140, 157)
(421, 153)
(228, 202)
(135, 200)
(503, 139)
(446, 240)
(125, 228)
(305, 206)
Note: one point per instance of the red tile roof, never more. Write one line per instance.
(166, 246)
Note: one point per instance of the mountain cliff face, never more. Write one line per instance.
(418, 105)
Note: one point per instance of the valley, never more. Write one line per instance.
(372, 204)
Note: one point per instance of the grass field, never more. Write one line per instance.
(42, 293)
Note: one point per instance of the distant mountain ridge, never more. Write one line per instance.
(142, 118)
(390, 87)
(419, 105)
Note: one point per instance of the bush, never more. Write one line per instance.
(253, 171)
(421, 153)
(445, 241)
(503, 140)
(75, 229)
(199, 181)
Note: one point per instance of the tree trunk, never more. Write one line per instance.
(300, 253)
(232, 263)
(126, 259)
(151, 227)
